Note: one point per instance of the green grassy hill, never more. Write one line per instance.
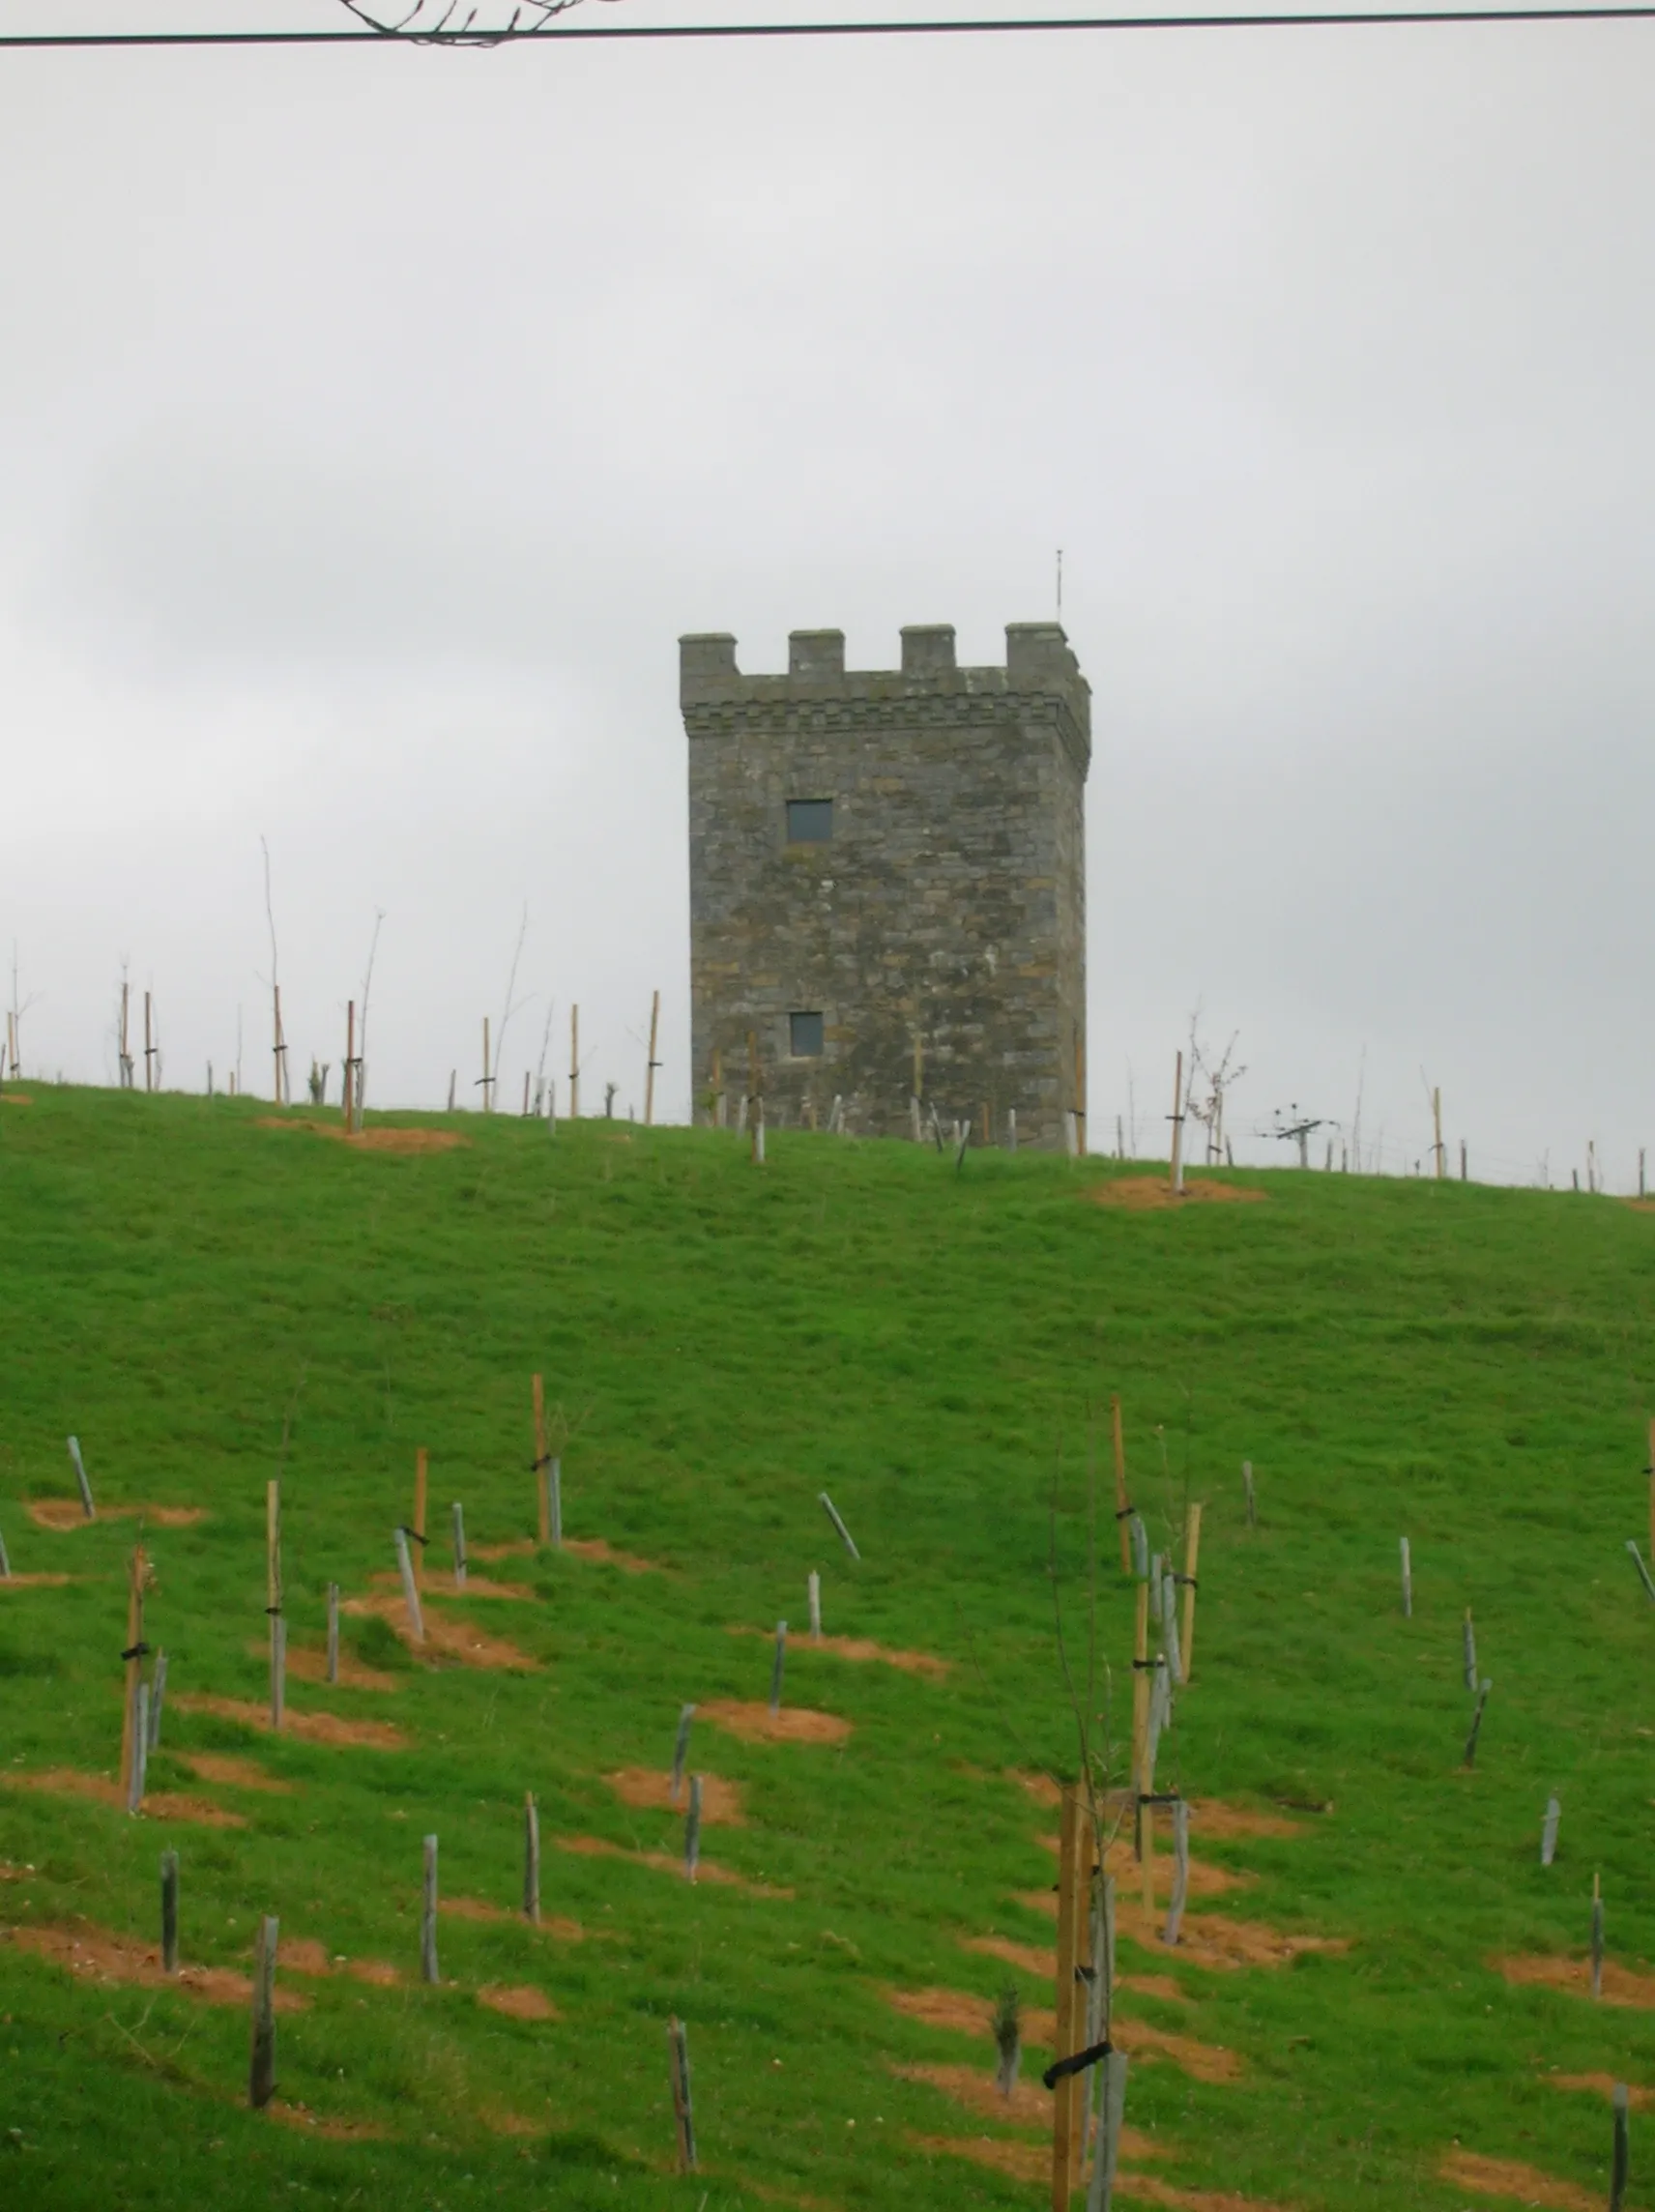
(180, 1280)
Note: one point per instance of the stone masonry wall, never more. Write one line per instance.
(948, 905)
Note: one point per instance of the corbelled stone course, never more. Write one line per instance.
(945, 910)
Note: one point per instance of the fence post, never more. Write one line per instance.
(261, 2072)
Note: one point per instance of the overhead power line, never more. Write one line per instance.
(960, 27)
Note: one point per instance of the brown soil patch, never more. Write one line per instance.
(861, 1647)
(524, 1548)
(1601, 2085)
(499, 2122)
(1142, 1194)
(1620, 1987)
(1043, 1964)
(305, 1955)
(1201, 2061)
(337, 2130)
(756, 1724)
(63, 1514)
(1510, 2177)
(963, 2014)
(472, 1908)
(309, 1663)
(101, 1790)
(1206, 1939)
(1160, 1985)
(666, 1862)
(99, 1956)
(1211, 1817)
(519, 2004)
(235, 1773)
(1149, 2189)
(436, 1585)
(303, 1728)
(1030, 2105)
(376, 1140)
(1205, 1879)
(594, 1548)
(379, 1973)
(444, 1639)
(720, 1800)
(35, 1581)
(1040, 1787)
(16, 1099)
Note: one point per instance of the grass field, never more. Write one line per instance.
(1469, 1367)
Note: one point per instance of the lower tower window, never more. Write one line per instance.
(804, 1036)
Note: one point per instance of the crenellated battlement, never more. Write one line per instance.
(1039, 664)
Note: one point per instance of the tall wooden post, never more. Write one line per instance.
(1122, 1506)
(279, 1047)
(349, 1069)
(148, 1050)
(272, 1601)
(487, 1079)
(1068, 2137)
(1192, 1555)
(1179, 1126)
(649, 1071)
(541, 1461)
(1437, 1129)
(575, 1063)
(1140, 1703)
(420, 1472)
(133, 1657)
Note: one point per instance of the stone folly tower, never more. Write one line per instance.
(888, 882)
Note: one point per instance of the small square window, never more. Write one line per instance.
(809, 821)
(804, 1036)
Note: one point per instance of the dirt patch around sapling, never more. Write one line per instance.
(1160, 1985)
(302, 1728)
(1001, 2154)
(378, 1973)
(335, 2130)
(475, 1908)
(1602, 2086)
(755, 1723)
(304, 1955)
(1043, 1964)
(665, 1862)
(1211, 1817)
(594, 1548)
(444, 1639)
(1206, 1939)
(862, 1648)
(96, 1955)
(1621, 1985)
(1201, 2061)
(64, 1515)
(1150, 2189)
(961, 2013)
(1149, 1194)
(103, 1789)
(643, 1787)
(1510, 2177)
(36, 1582)
(234, 1773)
(375, 1140)
(522, 2002)
(524, 1548)
(443, 1584)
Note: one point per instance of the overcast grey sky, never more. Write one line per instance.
(371, 423)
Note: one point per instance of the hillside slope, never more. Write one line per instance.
(183, 1281)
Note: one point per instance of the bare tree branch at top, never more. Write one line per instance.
(458, 22)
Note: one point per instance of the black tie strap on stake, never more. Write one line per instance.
(1171, 1797)
(1078, 2064)
(1124, 1512)
(138, 1651)
(415, 1534)
(273, 1611)
(1188, 1582)
(1148, 1665)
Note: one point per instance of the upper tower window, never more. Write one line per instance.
(809, 821)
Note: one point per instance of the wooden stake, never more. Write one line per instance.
(1549, 1831)
(1065, 2147)
(272, 1548)
(169, 1912)
(1181, 1871)
(653, 1064)
(531, 1858)
(1406, 1581)
(1619, 2160)
(1140, 1698)
(1122, 1507)
(692, 1828)
(332, 1632)
(1597, 1936)
(575, 1063)
(813, 1589)
(350, 1063)
(780, 1664)
(158, 1696)
(410, 1588)
(140, 1749)
(278, 1672)
(420, 1472)
(1469, 1642)
(681, 1749)
(1437, 1138)
(540, 1460)
(91, 1511)
(832, 1513)
(1179, 1128)
(459, 1547)
(1247, 1486)
(678, 2051)
(261, 2072)
(1192, 1555)
(148, 1054)
(428, 1915)
(133, 1656)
